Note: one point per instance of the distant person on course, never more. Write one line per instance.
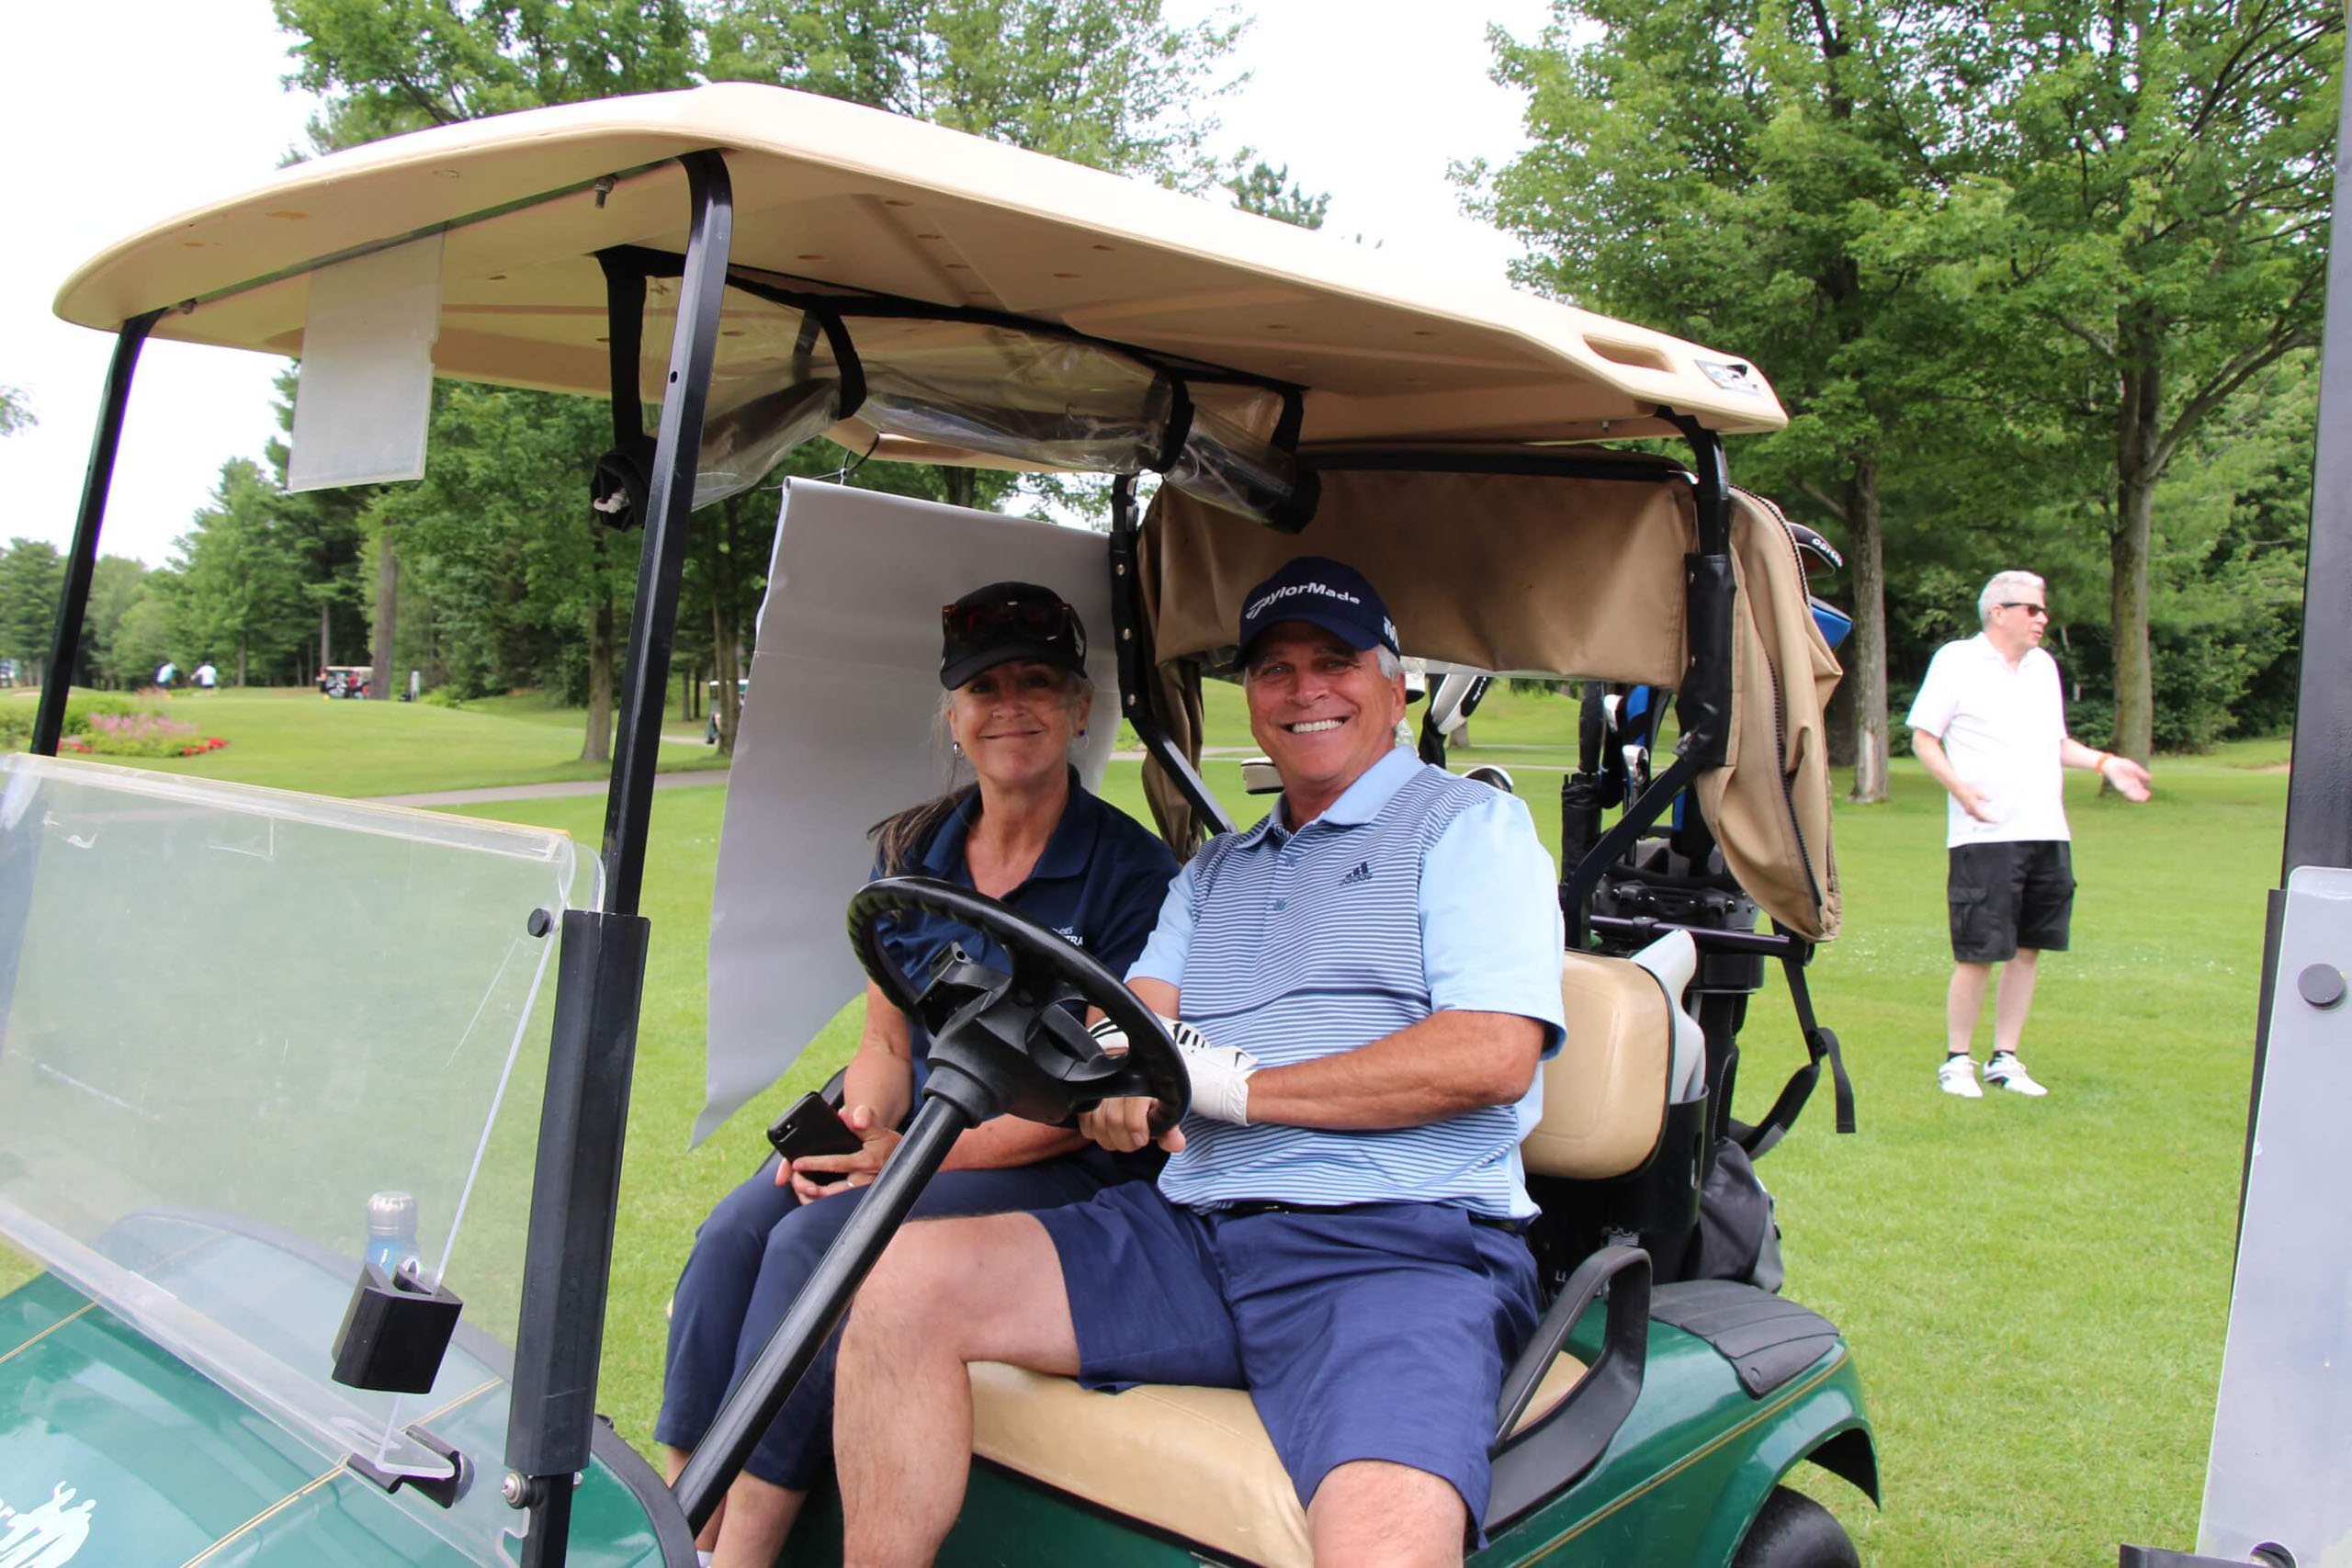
(165, 673)
(1990, 725)
(207, 677)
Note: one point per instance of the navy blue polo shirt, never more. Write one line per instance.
(1099, 881)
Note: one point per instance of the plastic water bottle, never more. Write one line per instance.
(391, 1233)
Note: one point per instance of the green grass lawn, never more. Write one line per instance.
(296, 740)
(2036, 1289)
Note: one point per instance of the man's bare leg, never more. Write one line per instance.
(1962, 1005)
(2015, 998)
(674, 1461)
(758, 1515)
(1373, 1514)
(947, 1293)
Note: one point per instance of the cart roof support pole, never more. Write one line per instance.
(669, 499)
(576, 1184)
(2319, 774)
(2319, 783)
(49, 723)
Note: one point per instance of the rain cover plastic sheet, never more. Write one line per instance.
(840, 728)
(2280, 1470)
(232, 1015)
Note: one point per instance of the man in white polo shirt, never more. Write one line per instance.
(1990, 725)
(1378, 966)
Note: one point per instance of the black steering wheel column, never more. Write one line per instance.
(1000, 1044)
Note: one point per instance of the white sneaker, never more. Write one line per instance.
(1958, 1076)
(2010, 1073)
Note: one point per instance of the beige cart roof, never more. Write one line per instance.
(849, 196)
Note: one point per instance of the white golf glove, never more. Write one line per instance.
(1219, 1074)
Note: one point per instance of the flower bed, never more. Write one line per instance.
(140, 735)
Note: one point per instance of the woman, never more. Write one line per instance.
(1026, 834)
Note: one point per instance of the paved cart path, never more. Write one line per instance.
(543, 791)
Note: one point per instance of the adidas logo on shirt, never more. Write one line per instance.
(1363, 872)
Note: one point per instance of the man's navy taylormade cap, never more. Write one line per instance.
(1322, 593)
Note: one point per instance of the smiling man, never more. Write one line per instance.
(1367, 981)
(1990, 726)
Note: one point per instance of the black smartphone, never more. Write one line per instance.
(813, 1127)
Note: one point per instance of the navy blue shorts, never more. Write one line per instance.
(751, 1256)
(1375, 1332)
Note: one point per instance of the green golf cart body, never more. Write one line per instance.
(769, 266)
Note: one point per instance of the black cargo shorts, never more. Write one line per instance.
(2010, 894)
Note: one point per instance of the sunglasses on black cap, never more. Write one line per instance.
(1030, 620)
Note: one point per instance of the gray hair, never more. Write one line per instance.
(1998, 590)
(1389, 665)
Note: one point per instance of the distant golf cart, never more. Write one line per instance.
(710, 710)
(269, 1194)
(341, 680)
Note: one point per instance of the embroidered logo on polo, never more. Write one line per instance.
(1363, 872)
(1070, 935)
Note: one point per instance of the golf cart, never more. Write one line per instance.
(292, 1223)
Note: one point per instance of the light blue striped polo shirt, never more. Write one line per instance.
(1414, 892)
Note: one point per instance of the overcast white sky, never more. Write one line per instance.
(1367, 99)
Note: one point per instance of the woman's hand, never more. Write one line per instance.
(857, 1170)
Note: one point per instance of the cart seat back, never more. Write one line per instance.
(1605, 1092)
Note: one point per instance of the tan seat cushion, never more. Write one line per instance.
(1193, 1461)
(1604, 1093)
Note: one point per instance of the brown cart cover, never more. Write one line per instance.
(1539, 574)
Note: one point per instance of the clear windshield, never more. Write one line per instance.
(233, 1018)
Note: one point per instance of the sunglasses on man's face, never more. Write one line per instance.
(1030, 619)
(2039, 612)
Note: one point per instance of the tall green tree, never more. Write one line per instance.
(1769, 179)
(2168, 172)
(241, 583)
(116, 583)
(1270, 192)
(1108, 82)
(31, 576)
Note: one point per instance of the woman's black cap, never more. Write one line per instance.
(1006, 621)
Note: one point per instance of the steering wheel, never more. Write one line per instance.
(1016, 1044)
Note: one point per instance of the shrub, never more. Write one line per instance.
(140, 735)
(444, 697)
(16, 718)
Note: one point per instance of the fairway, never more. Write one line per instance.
(2036, 1290)
(296, 739)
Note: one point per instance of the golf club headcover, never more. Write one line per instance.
(1219, 1074)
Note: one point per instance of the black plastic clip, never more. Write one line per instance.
(443, 1490)
(395, 1333)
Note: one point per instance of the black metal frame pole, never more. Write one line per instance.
(1702, 702)
(752, 1405)
(2319, 774)
(575, 1185)
(49, 721)
(1137, 661)
(694, 350)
